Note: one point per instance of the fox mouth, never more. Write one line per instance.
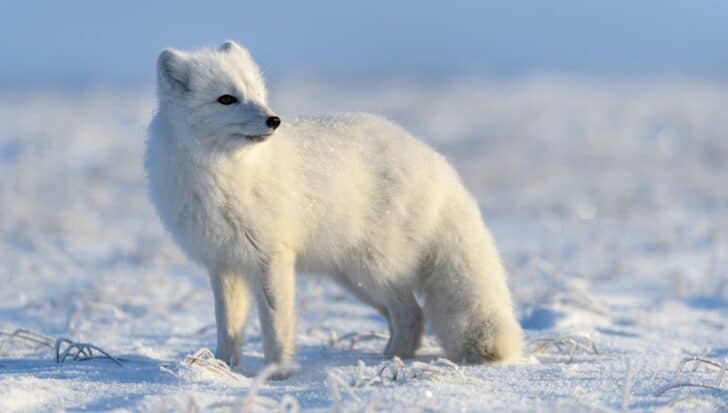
(252, 138)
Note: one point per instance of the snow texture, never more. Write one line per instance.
(608, 202)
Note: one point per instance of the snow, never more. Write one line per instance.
(608, 201)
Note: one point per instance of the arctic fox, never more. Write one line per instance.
(254, 198)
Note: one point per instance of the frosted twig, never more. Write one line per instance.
(204, 359)
(80, 351)
(23, 334)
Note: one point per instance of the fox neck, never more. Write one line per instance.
(227, 170)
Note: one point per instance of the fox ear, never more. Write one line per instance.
(230, 46)
(173, 70)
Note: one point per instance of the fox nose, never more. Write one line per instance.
(273, 122)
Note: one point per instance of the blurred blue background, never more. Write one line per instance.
(81, 43)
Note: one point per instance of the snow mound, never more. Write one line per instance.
(608, 202)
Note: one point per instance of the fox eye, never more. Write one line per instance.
(227, 99)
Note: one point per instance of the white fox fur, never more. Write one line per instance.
(351, 196)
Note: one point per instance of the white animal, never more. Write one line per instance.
(352, 196)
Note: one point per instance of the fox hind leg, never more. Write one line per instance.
(404, 316)
(407, 326)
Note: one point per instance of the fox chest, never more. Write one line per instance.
(213, 226)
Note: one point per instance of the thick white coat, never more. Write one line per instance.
(352, 196)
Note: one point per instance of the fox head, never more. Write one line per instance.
(214, 98)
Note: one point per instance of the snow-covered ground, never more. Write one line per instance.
(608, 200)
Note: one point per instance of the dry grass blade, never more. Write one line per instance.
(175, 406)
(393, 403)
(80, 351)
(333, 338)
(165, 369)
(693, 400)
(269, 372)
(453, 367)
(389, 371)
(395, 370)
(704, 354)
(628, 382)
(289, 404)
(22, 334)
(204, 359)
(356, 337)
(264, 403)
(183, 301)
(336, 384)
(435, 370)
(205, 329)
(330, 334)
(192, 407)
(581, 299)
(681, 385)
(722, 373)
(83, 312)
(574, 295)
(697, 360)
(573, 345)
(253, 402)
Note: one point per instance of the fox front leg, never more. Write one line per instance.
(231, 309)
(275, 295)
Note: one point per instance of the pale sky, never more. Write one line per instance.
(71, 43)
